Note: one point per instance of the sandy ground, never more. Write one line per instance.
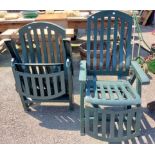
(54, 123)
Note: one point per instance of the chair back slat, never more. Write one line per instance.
(121, 54)
(57, 47)
(31, 49)
(114, 57)
(38, 48)
(44, 48)
(88, 42)
(101, 44)
(51, 47)
(109, 43)
(95, 45)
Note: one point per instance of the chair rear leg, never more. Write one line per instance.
(71, 105)
(24, 103)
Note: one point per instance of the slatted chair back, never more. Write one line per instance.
(41, 42)
(109, 43)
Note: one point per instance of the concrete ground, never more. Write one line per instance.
(54, 123)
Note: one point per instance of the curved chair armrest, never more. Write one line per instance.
(83, 71)
(139, 73)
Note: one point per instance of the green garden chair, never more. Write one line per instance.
(110, 110)
(43, 69)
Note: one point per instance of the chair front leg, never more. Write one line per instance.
(70, 84)
(138, 87)
(82, 110)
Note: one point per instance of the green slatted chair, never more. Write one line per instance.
(43, 69)
(110, 110)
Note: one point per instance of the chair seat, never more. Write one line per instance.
(111, 93)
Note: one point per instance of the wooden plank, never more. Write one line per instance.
(145, 16)
(53, 16)
(13, 33)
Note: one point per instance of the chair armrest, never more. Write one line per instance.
(140, 74)
(83, 71)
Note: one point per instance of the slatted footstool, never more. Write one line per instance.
(111, 110)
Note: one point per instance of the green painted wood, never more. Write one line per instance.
(108, 44)
(138, 86)
(140, 74)
(83, 71)
(95, 45)
(112, 123)
(104, 123)
(51, 46)
(129, 123)
(37, 27)
(30, 44)
(121, 53)
(126, 21)
(36, 41)
(35, 77)
(82, 110)
(132, 97)
(101, 43)
(123, 104)
(114, 56)
(88, 40)
(102, 91)
(34, 86)
(57, 47)
(120, 97)
(108, 130)
(95, 122)
(120, 126)
(87, 122)
(110, 93)
(44, 45)
(128, 44)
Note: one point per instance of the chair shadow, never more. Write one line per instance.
(147, 133)
(57, 117)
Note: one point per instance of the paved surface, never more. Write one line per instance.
(50, 123)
